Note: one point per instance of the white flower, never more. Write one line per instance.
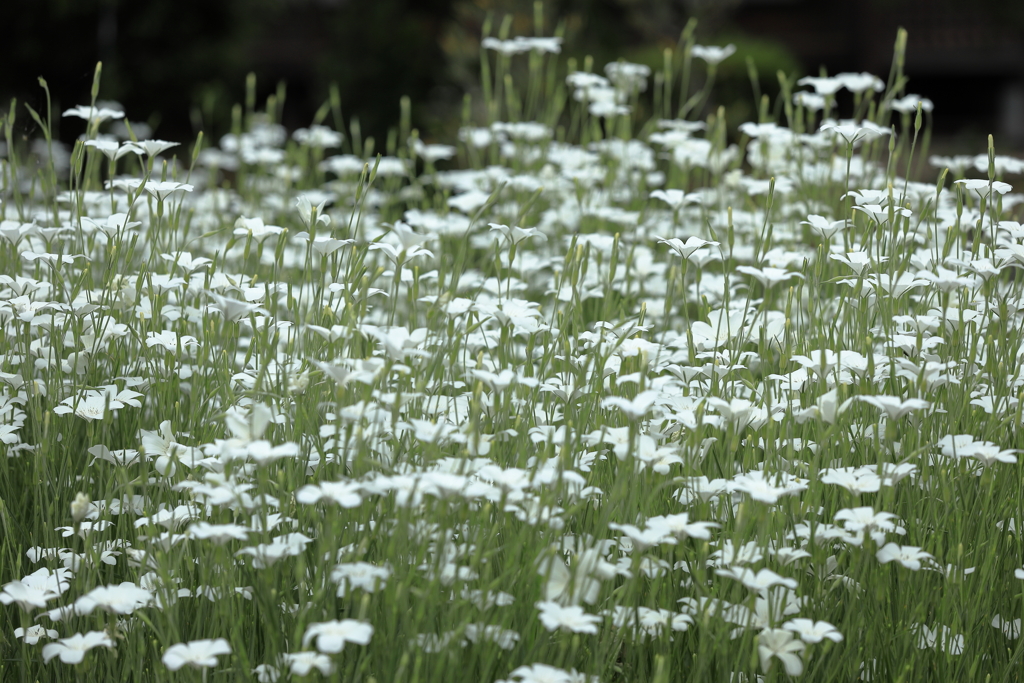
(331, 636)
(254, 228)
(72, 650)
(218, 533)
(768, 488)
(301, 663)
(940, 638)
(572, 618)
(34, 634)
(713, 54)
(634, 408)
(779, 643)
(312, 215)
(36, 589)
(857, 260)
(197, 653)
(908, 556)
(169, 340)
(687, 248)
(153, 147)
(822, 85)
(516, 235)
(317, 136)
(679, 525)
(543, 673)
(343, 493)
(856, 482)
(677, 199)
(982, 186)
(163, 189)
(824, 227)
(362, 575)
(811, 631)
(645, 538)
(908, 104)
(265, 673)
(853, 132)
(768, 276)
(122, 599)
(895, 407)
(858, 83)
(759, 582)
(94, 114)
(266, 554)
(1010, 628)
(866, 519)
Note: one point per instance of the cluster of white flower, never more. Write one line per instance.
(583, 397)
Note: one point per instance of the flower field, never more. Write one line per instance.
(605, 390)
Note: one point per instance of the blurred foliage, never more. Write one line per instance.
(182, 65)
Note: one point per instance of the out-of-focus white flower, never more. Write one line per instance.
(572, 618)
(331, 636)
(72, 650)
(197, 653)
(779, 643)
(713, 54)
(906, 555)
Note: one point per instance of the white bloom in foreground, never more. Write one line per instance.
(331, 636)
(779, 643)
(811, 631)
(266, 673)
(72, 650)
(197, 653)
(36, 589)
(572, 618)
(907, 555)
(543, 673)
(301, 663)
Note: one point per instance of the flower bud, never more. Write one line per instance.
(80, 507)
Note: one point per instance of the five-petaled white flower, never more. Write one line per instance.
(572, 618)
(197, 653)
(906, 555)
(811, 631)
(331, 636)
(72, 650)
(779, 643)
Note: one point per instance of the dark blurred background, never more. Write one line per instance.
(181, 65)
